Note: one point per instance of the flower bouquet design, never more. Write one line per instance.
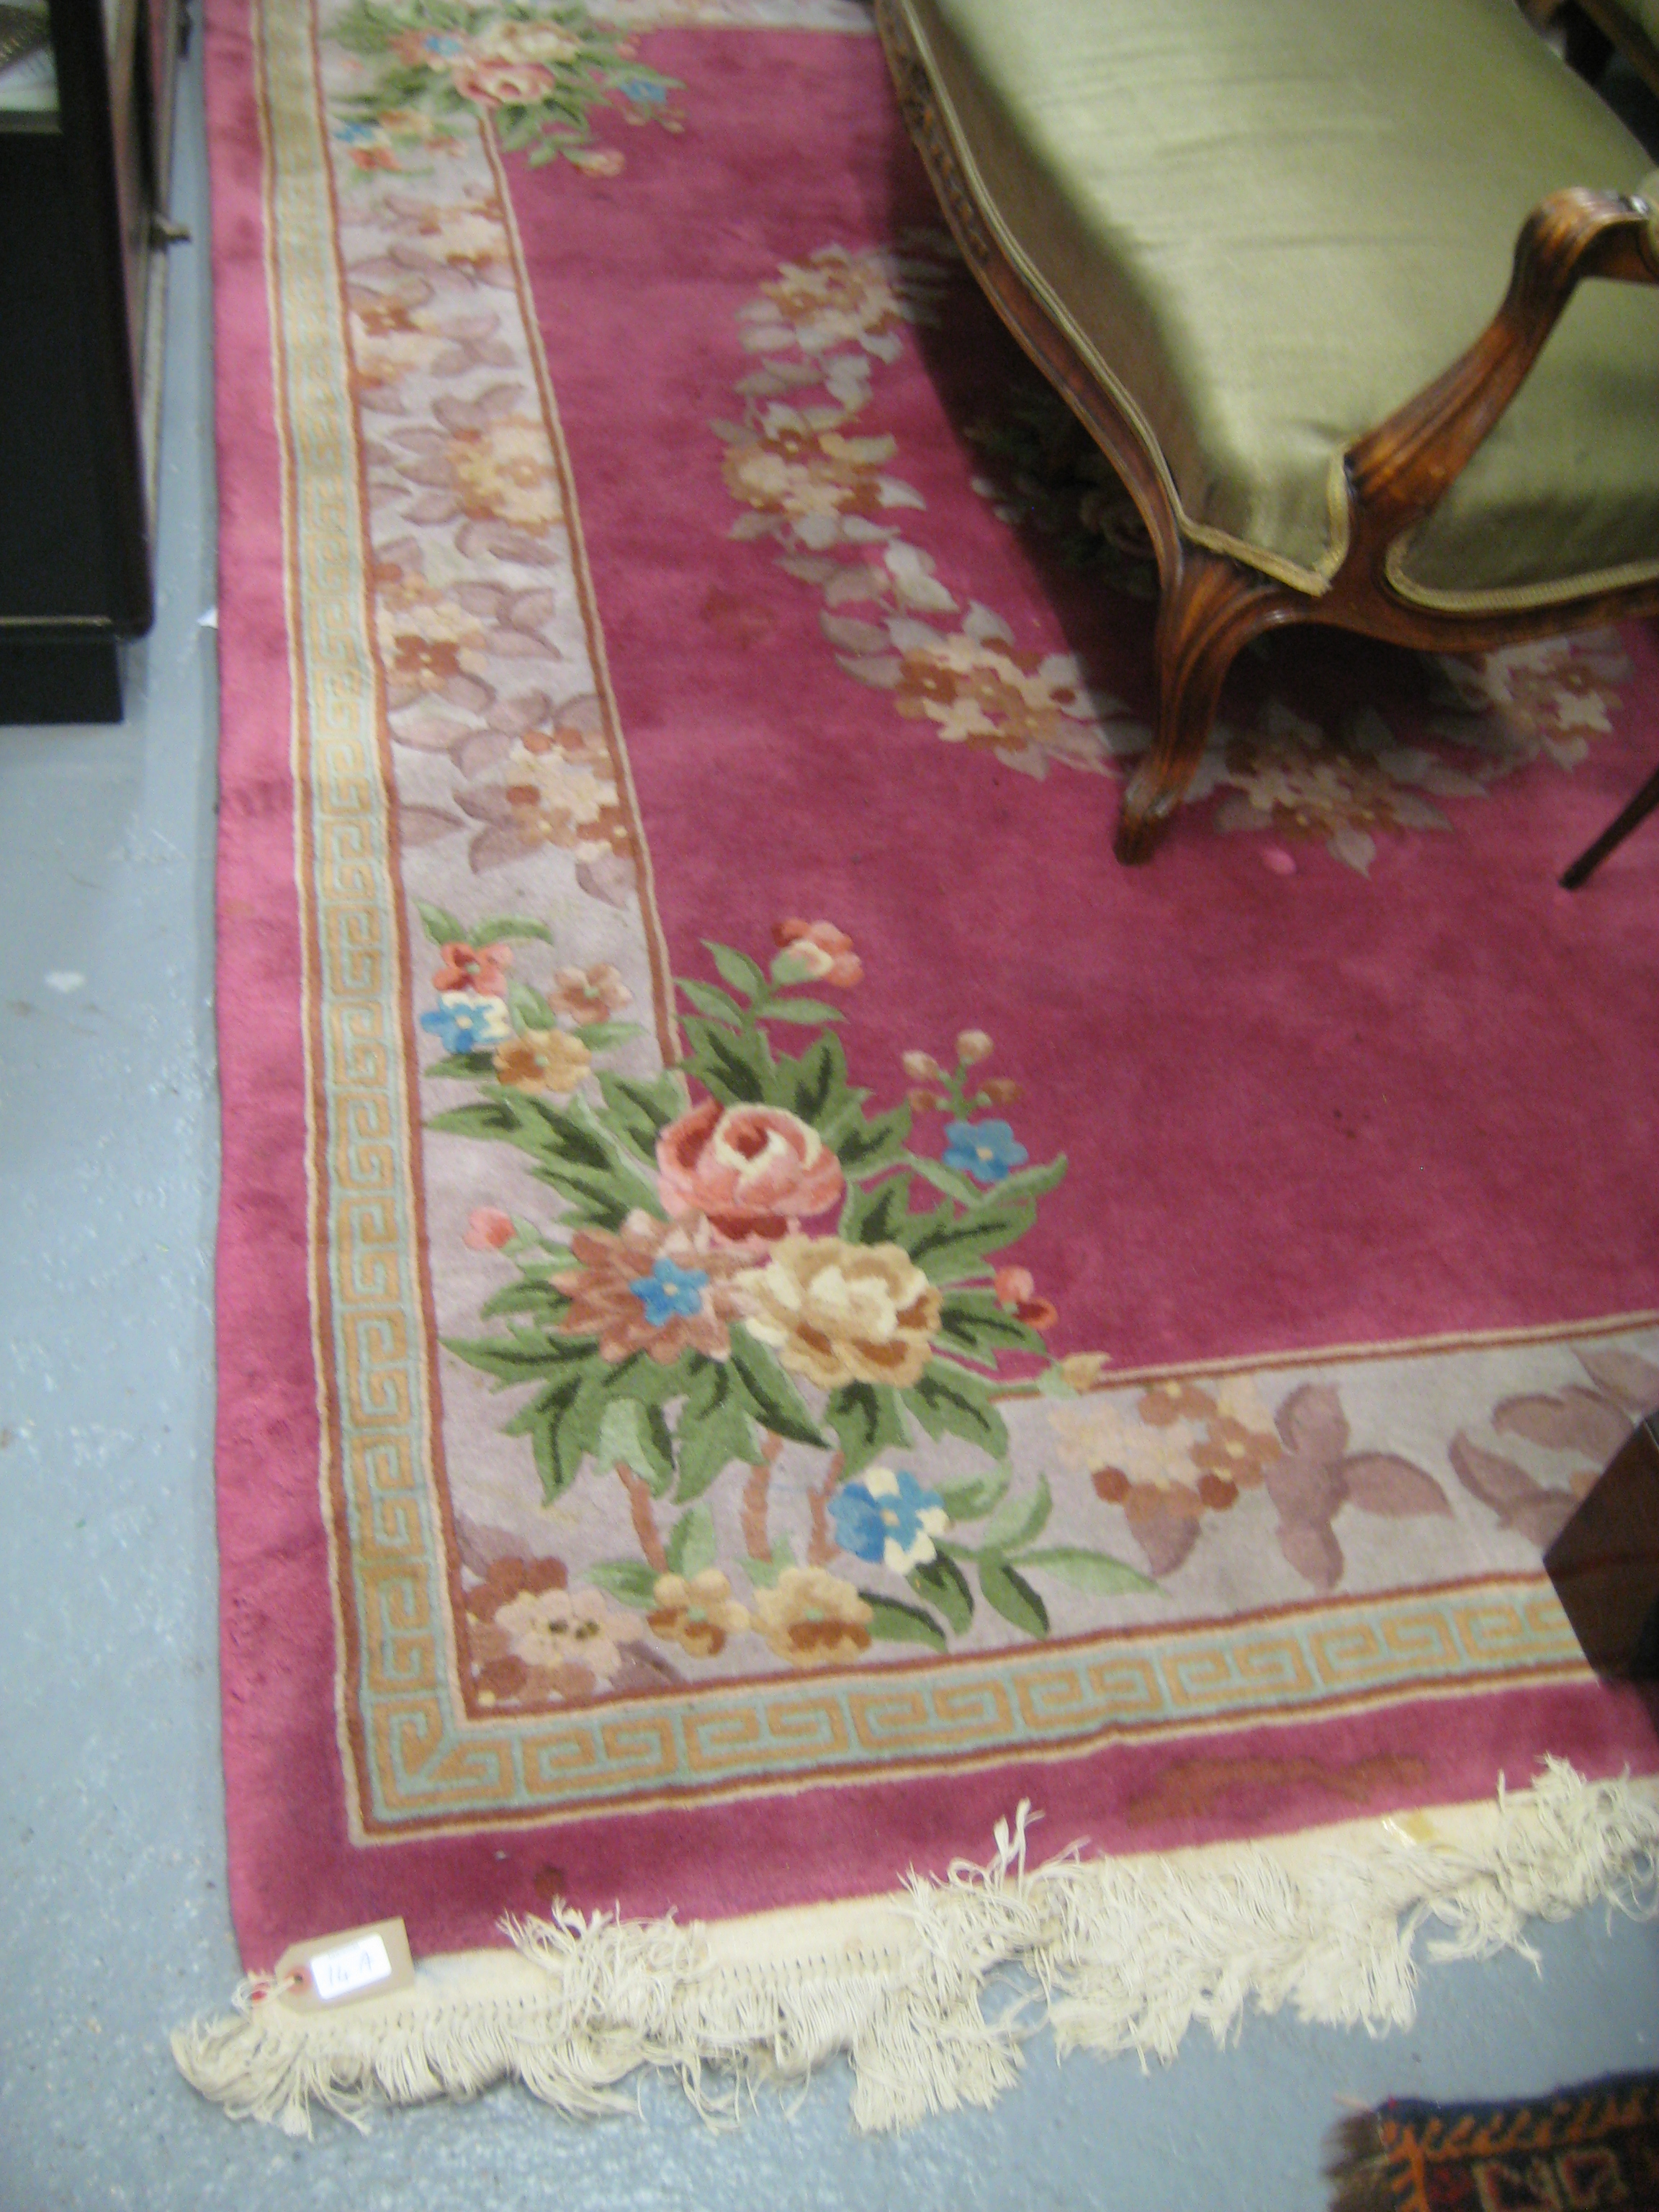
(748, 1255)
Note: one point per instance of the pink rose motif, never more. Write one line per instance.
(815, 952)
(502, 84)
(488, 1229)
(481, 967)
(755, 1173)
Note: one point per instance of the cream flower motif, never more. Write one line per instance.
(1550, 695)
(468, 238)
(550, 1628)
(1237, 1399)
(840, 1313)
(564, 802)
(384, 356)
(426, 639)
(526, 42)
(840, 298)
(505, 471)
(811, 1617)
(1101, 1435)
(983, 695)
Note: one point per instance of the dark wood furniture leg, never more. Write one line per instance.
(1214, 610)
(1615, 833)
(1605, 1563)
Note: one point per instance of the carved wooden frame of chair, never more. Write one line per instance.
(1212, 606)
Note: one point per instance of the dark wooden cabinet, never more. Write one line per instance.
(84, 221)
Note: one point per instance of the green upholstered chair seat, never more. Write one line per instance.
(1268, 223)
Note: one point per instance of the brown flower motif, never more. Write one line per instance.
(605, 1303)
(811, 1617)
(697, 1614)
(842, 1313)
(589, 994)
(543, 1059)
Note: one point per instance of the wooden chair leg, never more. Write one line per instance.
(1215, 608)
(1615, 834)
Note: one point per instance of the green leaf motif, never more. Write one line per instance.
(736, 969)
(1019, 1520)
(481, 1117)
(716, 1428)
(893, 1623)
(472, 1064)
(498, 928)
(529, 1010)
(708, 998)
(637, 1437)
(1095, 1572)
(804, 1010)
(738, 1070)
(691, 1548)
(603, 1036)
(950, 1401)
(630, 1581)
(539, 1300)
(543, 1421)
(763, 1573)
(973, 1500)
(442, 927)
(874, 1142)
(942, 1584)
(877, 1216)
(773, 1398)
(865, 1418)
(639, 1109)
(948, 1246)
(814, 1087)
(1012, 1597)
(1033, 1183)
(521, 1359)
(973, 1321)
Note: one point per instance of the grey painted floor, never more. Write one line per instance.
(112, 1921)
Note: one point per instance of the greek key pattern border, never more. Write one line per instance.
(775, 1735)
(379, 1500)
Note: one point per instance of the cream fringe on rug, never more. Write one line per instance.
(1126, 1955)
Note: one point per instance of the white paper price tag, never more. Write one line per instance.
(354, 1966)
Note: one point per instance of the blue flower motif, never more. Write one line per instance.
(467, 1021)
(642, 88)
(890, 1517)
(668, 1291)
(352, 132)
(444, 44)
(987, 1150)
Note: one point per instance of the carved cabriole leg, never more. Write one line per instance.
(1213, 611)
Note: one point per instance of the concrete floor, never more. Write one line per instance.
(112, 1920)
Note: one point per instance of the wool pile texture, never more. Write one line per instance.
(776, 1306)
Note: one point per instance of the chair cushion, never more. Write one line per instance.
(1268, 223)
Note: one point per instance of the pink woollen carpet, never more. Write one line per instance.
(1000, 1325)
